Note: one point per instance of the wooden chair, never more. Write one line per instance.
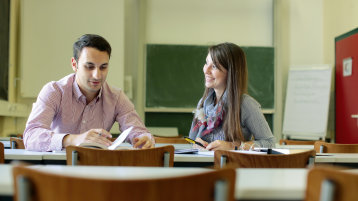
(297, 142)
(324, 147)
(2, 154)
(31, 184)
(160, 156)
(331, 184)
(233, 159)
(170, 140)
(16, 143)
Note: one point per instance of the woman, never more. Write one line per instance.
(226, 116)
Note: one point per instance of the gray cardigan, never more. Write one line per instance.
(253, 122)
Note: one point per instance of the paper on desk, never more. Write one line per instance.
(121, 138)
(211, 153)
(256, 151)
(206, 153)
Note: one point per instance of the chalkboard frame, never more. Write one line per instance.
(4, 48)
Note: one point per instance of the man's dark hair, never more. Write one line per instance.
(91, 40)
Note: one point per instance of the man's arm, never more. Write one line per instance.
(37, 134)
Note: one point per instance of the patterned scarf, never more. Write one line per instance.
(206, 122)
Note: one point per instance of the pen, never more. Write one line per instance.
(194, 142)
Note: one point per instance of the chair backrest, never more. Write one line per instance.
(244, 160)
(44, 186)
(170, 140)
(16, 143)
(297, 142)
(159, 156)
(2, 152)
(324, 147)
(331, 184)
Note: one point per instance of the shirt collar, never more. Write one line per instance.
(76, 90)
(79, 94)
(99, 94)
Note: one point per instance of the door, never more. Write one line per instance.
(347, 88)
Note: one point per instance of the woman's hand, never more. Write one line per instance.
(220, 145)
(249, 145)
(202, 142)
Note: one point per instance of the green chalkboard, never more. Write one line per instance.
(174, 76)
(4, 47)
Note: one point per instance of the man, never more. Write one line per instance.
(82, 107)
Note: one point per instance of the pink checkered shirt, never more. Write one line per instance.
(61, 109)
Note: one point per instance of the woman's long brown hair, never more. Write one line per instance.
(233, 59)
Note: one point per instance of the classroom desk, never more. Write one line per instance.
(180, 160)
(59, 157)
(337, 158)
(308, 147)
(251, 184)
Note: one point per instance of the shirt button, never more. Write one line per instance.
(84, 121)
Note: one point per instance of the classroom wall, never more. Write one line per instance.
(298, 41)
(302, 32)
(245, 22)
(306, 31)
(339, 17)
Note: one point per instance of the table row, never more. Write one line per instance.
(202, 159)
(251, 184)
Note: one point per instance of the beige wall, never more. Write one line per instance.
(298, 41)
(245, 22)
(339, 17)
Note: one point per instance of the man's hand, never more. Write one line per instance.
(143, 141)
(99, 135)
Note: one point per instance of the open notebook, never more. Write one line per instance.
(115, 145)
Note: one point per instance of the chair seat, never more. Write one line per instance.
(244, 160)
(324, 147)
(130, 157)
(297, 142)
(17, 143)
(45, 186)
(170, 140)
(331, 184)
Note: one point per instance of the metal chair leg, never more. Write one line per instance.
(74, 158)
(327, 190)
(23, 187)
(166, 159)
(221, 190)
(222, 161)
